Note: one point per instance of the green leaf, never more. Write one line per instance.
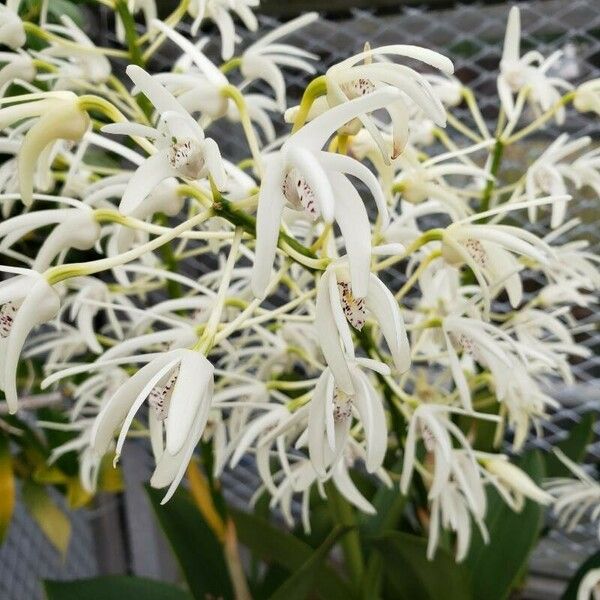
(113, 587)
(591, 562)
(7, 485)
(198, 552)
(574, 447)
(496, 567)
(64, 7)
(273, 544)
(389, 504)
(300, 585)
(413, 577)
(51, 519)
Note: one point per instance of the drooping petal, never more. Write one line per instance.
(350, 166)
(385, 309)
(65, 121)
(116, 409)
(268, 220)
(316, 178)
(195, 375)
(40, 304)
(346, 487)
(154, 170)
(327, 332)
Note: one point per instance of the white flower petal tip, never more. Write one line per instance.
(29, 300)
(189, 398)
(516, 479)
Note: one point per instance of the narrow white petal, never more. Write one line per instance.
(195, 375)
(385, 309)
(154, 170)
(268, 220)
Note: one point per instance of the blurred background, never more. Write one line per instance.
(118, 533)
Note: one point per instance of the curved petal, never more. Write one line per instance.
(195, 375)
(383, 305)
(154, 170)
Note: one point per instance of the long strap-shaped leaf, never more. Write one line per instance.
(300, 585)
(270, 543)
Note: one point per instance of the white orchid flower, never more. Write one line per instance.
(337, 307)
(178, 386)
(488, 250)
(26, 301)
(488, 345)
(418, 181)
(575, 497)
(17, 65)
(529, 71)
(513, 483)
(458, 502)
(12, 32)
(83, 312)
(264, 58)
(587, 97)
(331, 414)
(218, 12)
(182, 148)
(349, 79)
(432, 423)
(548, 174)
(87, 62)
(525, 403)
(60, 117)
(75, 228)
(305, 176)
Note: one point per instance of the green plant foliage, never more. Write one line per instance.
(196, 548)
(574, 446)
(282, 548)
(50, 518)
(302, 582)
(113, 587)
(7, 486)
(413, 577)
(497, 566)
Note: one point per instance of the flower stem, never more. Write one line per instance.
(230, 91)
(317, 87)
(491, 183)
(541, 120)
(67, 271)
(342, 515)
(131, 37)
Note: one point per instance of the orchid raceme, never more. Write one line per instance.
(364, 308)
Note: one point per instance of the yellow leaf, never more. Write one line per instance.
(50, 475)
(7, 486)
(110, 479)
(77, 497)
(201, 494)
(51, 519)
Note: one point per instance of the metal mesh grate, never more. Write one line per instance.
(27, 557)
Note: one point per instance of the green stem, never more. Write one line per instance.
(491, 183)
(343, 516)
(317, 87)
(168, 257)
(131, 37)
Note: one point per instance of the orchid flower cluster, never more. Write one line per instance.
(255, 306)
